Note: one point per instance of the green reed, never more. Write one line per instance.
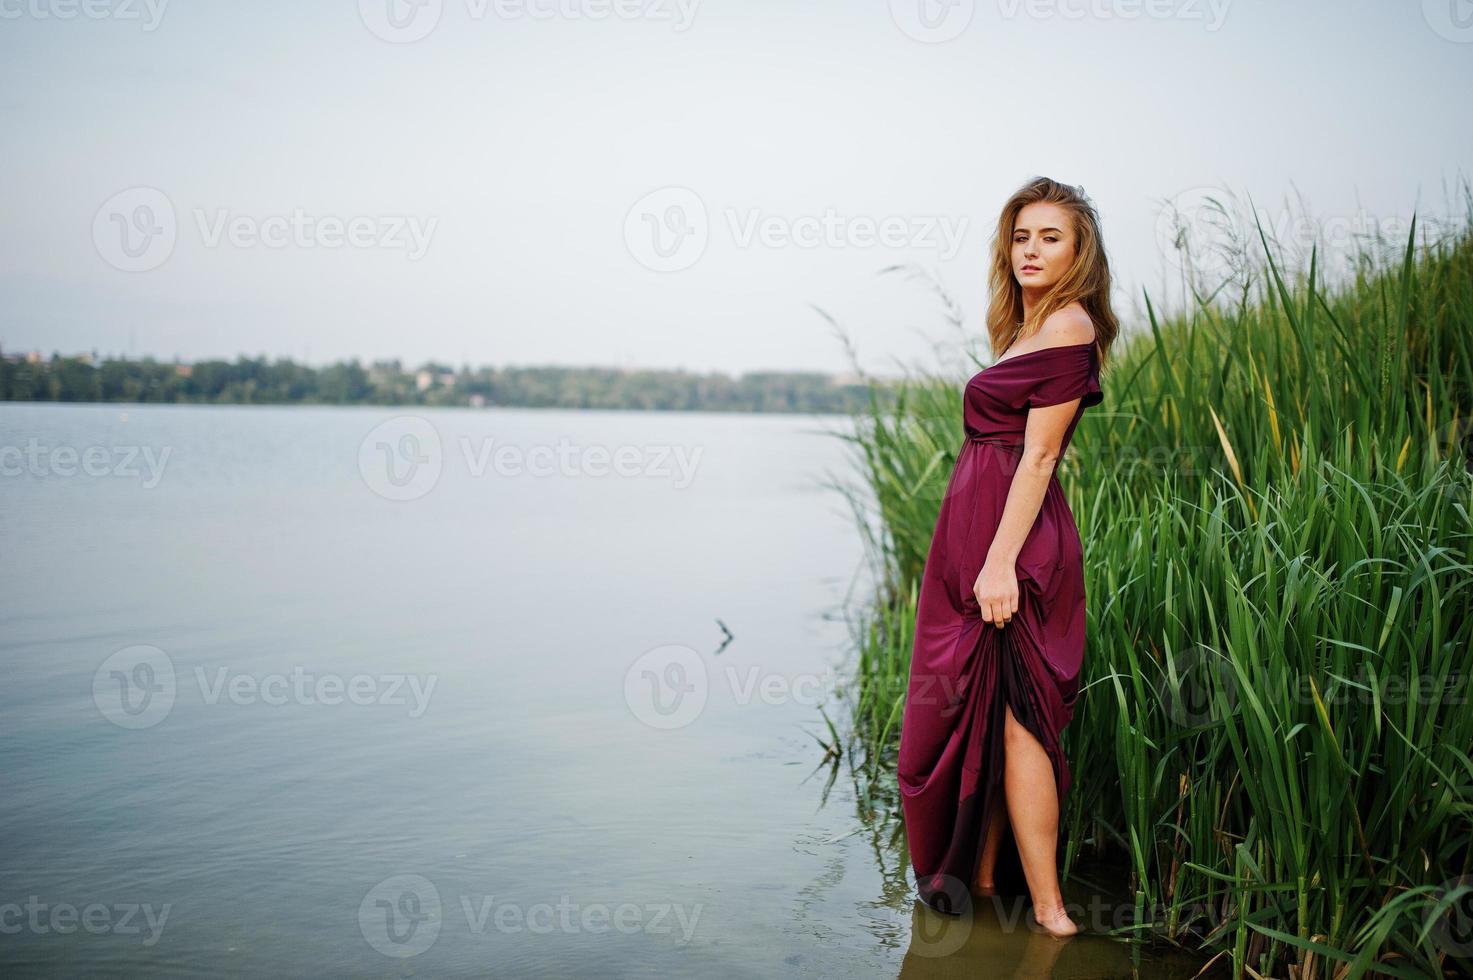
(1277, 715)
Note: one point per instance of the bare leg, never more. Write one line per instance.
(1033, 805)
(991, 845)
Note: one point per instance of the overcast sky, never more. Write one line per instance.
(660, 183)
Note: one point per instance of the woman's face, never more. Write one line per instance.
(1043, 245)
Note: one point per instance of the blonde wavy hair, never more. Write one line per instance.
(1087, 281)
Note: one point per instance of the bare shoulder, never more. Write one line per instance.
(1066, 327)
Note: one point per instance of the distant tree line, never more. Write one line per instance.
(258, 381)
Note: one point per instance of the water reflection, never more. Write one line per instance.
(998, 937)
(944, 947)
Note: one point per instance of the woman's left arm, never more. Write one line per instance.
(997, 584)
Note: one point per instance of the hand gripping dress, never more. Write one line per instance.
(963, 669)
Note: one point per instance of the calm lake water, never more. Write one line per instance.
(350, 692)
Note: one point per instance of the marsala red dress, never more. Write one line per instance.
(963, 669)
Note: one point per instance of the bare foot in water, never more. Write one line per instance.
(1055, 921)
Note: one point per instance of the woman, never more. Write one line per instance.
(999, 636)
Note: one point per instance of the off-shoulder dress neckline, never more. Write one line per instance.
(1041, 350)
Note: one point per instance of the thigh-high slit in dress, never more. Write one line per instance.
(964, 670)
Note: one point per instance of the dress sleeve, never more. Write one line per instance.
(1064, 377)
